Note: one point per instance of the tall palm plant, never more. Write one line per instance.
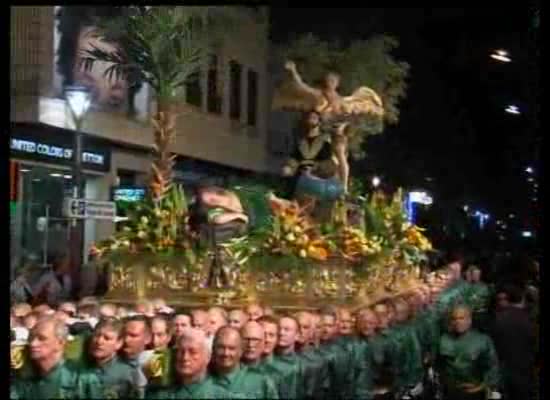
(164, 46)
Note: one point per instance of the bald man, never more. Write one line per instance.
(238, 380)
(51, 376)
(362, 386)
(466, 359)
(254, 311)
(286, 367)
(237, 318)
(410, 374)
(315, 368)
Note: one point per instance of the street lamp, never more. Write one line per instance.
(375, 181)
(529, 170)
(501, 55)
(78, 100)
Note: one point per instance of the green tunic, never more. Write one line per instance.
(344, 372)
(469, 358)
(362, 385)
(385, 360)
(315, 372)
(287, 373)
(409, 356)
(60, 382)
(204, 389)
(113, 380)
(247, 383)
(328, 351)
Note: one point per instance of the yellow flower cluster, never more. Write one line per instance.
(295, 235)
(415, 237)
(355, 244)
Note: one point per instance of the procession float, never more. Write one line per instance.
(237, 245)
(247, 243)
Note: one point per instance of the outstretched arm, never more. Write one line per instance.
(291, 67)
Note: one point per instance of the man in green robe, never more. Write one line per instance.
(315, 368)
(192, 379)
(286, 367)
(466, 360)
(238, 380)
(363, 359)
(409, 379)
(50, 376)
(385, 355)
(107, 376)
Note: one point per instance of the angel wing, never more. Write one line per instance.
(290, 95)
(363, 101)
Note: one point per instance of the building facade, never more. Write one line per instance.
(225, 120)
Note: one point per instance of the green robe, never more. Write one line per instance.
(385, 360)
(328, 351)
(469, 358)
(287, 373)
(362, 364)
(247, 383)
(113, 380)
(315, 372)
(204, 389)
(409, 355)
(60, 383)
(344, 373)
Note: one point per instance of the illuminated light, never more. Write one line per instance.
(530, 179)
(25, 170)
(421, 198)
(501, 55)
(79, 99)
(67, 176)
(511, 216)
(512, 110)
(527, 234)
(529, 170)
(56, 175)
(36, 180)
(429, 178)
(376, 181)
(466, 208)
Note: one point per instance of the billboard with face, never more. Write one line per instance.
(74, 35)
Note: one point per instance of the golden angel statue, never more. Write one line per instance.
(336, 112)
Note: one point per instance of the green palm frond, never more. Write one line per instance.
(163, 46)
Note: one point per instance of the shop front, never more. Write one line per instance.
(41, 160)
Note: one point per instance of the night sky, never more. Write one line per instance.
(453, 127)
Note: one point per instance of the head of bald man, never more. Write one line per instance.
(228, 349)
(307, 327)
(460, 320)
(253, 336)
(237, 318)
(217, 317)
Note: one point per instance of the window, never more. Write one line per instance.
(235, 100)
(214, 100)
(193, 90)
(252, 97)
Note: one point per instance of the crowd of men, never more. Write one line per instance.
(418, 345)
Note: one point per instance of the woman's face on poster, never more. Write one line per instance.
(108, 93)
